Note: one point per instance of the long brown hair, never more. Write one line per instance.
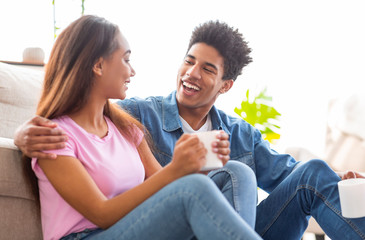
(69, 76)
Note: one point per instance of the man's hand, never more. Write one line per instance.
(221, 147)
(38, 134)
(350, 174)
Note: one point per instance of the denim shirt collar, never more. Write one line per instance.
(171, 120)
(217, 122)
(170, 113)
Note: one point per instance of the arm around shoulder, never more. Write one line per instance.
(38, 134)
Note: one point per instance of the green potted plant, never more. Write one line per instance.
(260, 113)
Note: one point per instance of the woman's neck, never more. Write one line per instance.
(91, 118)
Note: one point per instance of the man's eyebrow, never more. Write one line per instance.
(206, 63)
(211, 65)
(190, 56)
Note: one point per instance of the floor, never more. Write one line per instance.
(311, 236)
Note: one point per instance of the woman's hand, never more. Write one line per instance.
(189, 155)
(221, 147)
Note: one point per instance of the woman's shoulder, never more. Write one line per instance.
(67, 124)
(63, 121)
(60, 120)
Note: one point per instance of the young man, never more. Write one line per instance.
(215, 57)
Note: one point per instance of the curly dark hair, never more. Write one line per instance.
(228, 42)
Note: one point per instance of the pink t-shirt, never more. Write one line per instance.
(112, 162)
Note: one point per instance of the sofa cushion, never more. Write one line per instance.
(19, 93)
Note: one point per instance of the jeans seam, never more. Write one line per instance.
(211, 217)
(323, 198)
(234, 181)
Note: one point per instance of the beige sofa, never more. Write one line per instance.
(19, 92)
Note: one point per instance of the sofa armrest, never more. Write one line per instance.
(20, 218)
(12, 179)
(7, 143)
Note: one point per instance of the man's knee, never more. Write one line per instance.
(240, 169)
(316, 165)
(317, 169)
(234, 171)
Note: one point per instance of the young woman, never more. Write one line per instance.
(106, 183)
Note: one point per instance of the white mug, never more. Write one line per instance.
(207, 138)
(352, 197)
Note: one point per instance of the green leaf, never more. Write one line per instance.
(260, 113)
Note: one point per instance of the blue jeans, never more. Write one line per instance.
(237, 182)
(191, 206)
(311, 189)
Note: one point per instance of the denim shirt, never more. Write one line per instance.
(160, 115)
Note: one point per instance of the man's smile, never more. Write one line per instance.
(189, 86)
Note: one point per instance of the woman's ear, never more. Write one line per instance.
(227, 84)
(98, 67)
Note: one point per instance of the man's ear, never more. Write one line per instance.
(98, 67)
(227, 84)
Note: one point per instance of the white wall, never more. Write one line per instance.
(305, 52)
